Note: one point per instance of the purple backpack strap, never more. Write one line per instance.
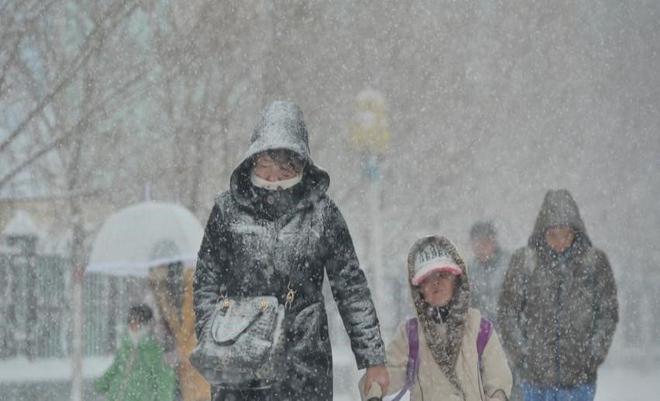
(413, 357)
(485, 330)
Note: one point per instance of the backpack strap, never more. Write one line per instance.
(413, 357)
(485, 330)
(530, 260)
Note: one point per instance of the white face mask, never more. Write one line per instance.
(274, 185)
(137, 335)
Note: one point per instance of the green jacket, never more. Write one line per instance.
(138, 373)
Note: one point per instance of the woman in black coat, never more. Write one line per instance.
(277, 228)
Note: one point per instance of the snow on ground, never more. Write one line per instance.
(616, 382)
(22, 370)
(619, 383)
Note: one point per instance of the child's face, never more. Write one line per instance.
(438, 288)
(134, 326)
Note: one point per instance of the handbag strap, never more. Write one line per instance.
(291, 292)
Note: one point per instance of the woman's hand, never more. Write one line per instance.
(377, 374)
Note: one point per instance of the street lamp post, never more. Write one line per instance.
(370, 137)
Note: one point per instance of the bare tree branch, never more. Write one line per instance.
(112, 18)
(60, 140)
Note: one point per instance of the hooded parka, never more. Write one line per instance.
(558, 312)
(138, 373)
(260, 242)
(487, 278)
(449, 367)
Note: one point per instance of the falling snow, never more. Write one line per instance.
(427, 116)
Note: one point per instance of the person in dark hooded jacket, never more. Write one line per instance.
(558, 308)
(276, 229)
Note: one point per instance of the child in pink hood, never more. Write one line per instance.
(447, 352)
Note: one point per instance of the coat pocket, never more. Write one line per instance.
(308, 343)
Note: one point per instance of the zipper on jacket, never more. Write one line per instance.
(560, 288)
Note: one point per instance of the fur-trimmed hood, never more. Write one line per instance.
(443, 337)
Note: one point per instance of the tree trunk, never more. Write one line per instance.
(77, 338)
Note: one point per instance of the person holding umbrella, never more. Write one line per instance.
(276, 232)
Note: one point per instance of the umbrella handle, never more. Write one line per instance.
(375, 392)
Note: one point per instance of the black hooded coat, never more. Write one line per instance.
(558, 312)
(257, 241)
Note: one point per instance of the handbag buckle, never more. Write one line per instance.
(225, 304)
(290, 296)
(263, 305)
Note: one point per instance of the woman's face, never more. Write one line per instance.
(272, 168)
(438, 288)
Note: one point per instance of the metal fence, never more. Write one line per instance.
(35, 306)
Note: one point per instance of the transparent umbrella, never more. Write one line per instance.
(141, 241)
(143, 236)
